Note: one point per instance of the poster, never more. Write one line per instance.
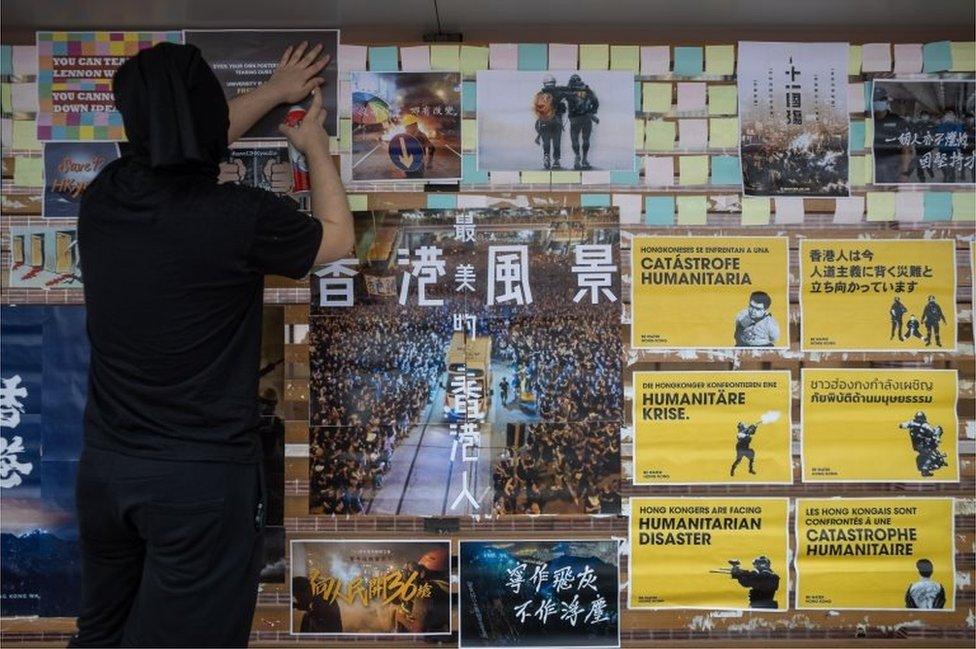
(793, 122)
(709, 553)
(877, 295)
(44, 257)
(712, 427)
(709, 292)
(923, 131)
(74, 81)
(243, 59)
(575, 119)
(357, 587)
(68, 168)
(271, 390)
(875, 554)
(43, 382)
(536, 593)
(263, 166)
(468, 362)
(879, 425)
(406, 125)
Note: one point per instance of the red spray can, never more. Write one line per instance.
(299, 166)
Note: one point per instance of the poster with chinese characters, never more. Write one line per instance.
(468, 362)
(44, 257)
(536, 593)
(74, 81)
(879, 425)
(793, 122)
(68, 168)
(709, 292)
(406, 126)
(375, 588)
(712, 427)
(709, 553)
(877, 295)
(923, 131)
(875, 554)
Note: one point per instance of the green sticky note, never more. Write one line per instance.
(25, 135)
(963, 56)
(693, 170)
(856, 173)
(869, 132)
(5, 97)
(594, 56)
(445, 57)
(536, 177)
(469, 134)
(659, 135)
(692, 210)
(854, 60)
(625, 58)
(639, 134)
(881, 206)
(566, 177)
(657, 97)
(964, 205)
(28, 172)
(345, 134)
(357, 202)
(719, 59)
(755, 210)
(473, 58)
(722, 100)
(723, 132)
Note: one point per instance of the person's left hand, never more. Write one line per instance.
(295, 77)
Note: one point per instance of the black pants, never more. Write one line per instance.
(580, 128)
(171, 551)
(551, 133)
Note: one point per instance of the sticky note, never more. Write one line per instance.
(629, 206)
(655, 59)
(357, 202)
(726, 170)
(503, 56)
(693, 170)
(720, 59)
(963, 56)
(384, 59)
(6, 60)
(5, 97)
(415, 59)
(856, 172)
(909, 206)
(692, 210)
(469, 170)
(442, 201)
(688, 61)
(657, 97)
(755, 210)
(469, 96)
(964, 205)
(876, 57)
(25, 135)
(659, 171)
(691, 97)
(28, 172)
(595, 177)
(881, 206)
(856, 136)
(854, 60)
(722, 100)
(445, 57)
(566, 177)
(908, 58)
(639, 134)
(6, 130)
(471, 201)
(638, 91)
(469, 134)
(868, 131)
(23, 97)
(723, 132)
(536, 177)
(936, 57)
(594, 200)
(345, 134)
(693, 134)
(351, 57)
(659, 210)
(659, 135)
(594, 56)
(24, 60)
(855, 97)
(563, 56)
(473, 58)
(504, 177)
(789, 209)
(849, 209)
(624, 177)
(937, 206)
(533, 56)
(625, 58)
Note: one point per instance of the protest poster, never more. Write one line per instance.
(44, 257)
(263, 164)
(68, 169)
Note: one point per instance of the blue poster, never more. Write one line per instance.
(68, 169)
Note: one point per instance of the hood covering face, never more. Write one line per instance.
(173, 109)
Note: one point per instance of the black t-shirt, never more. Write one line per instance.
(173, 268)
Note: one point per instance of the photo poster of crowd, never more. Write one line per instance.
(469, 362)
(793, 123)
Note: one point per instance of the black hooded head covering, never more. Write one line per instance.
(173, 108)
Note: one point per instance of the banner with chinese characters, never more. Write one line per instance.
(877, 295)
(709, 292)
(376, 588)
(539, 594)
(68, 168)
(709, 553)
(875, 554)
(708, 427)
(74, 81)
(468, 362)
(879, 425)
(793, 122)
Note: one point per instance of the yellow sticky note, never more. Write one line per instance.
(357, 202)
(964, 205)
(536, 177)
(723, 132)
(5, 97)
(28, 172)
(963, 56)
(719, 59)
(639, 134)
(755, 210)
(473, 58)
(693, 170)
(722, 100)
(594, 56)
(881, 206)
(861, 170)
(659, 135)
(868, 132)
(625, 58)
(345, 134)
(25, 135)
(469, 134)
(656, 97)
(854, 61)
(445, 57)
(692, 210)
(566, 177)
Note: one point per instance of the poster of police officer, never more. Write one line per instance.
(555, 120)
(923, 132)
(468, 362)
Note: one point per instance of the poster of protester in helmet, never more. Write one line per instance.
(550, 120)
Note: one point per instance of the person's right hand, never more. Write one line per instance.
(309, 136)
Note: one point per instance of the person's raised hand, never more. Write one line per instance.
(295, 77)
(309, 136)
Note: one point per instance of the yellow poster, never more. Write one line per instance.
(709, 292)
(709, 553)
(879, 425)
(875, 553)
(877, 295)
(707, 427)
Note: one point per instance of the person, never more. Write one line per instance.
(319, 614)
(549, 107)
(912, 328)
(503, 390)
(411, 126)
(582, 105)
(951, 134)
(897, 313)
(925, 440)
(925, 593)
(761, 581)
(743, 439)
(892, 155)
(755, 326)
(170, 496)
(931, 317)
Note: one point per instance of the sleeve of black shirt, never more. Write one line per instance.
(285, 240)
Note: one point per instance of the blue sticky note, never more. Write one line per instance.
(533, 56)
(856, 141)
(384, 59)
(442, 201)
(627, 177)
(937, 57)
(469, 170)
(594, 200)
(637, 96)
(659, 210)
(689, 61)
(868, 96)
(6, 59)
(469, 96)
(726, 170)
(937, 206)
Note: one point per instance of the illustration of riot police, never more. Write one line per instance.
(743, 439)
(549, 107)
(931, 317)
(897, 313)
(583, 106)
(761, 581)
(925, 440)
